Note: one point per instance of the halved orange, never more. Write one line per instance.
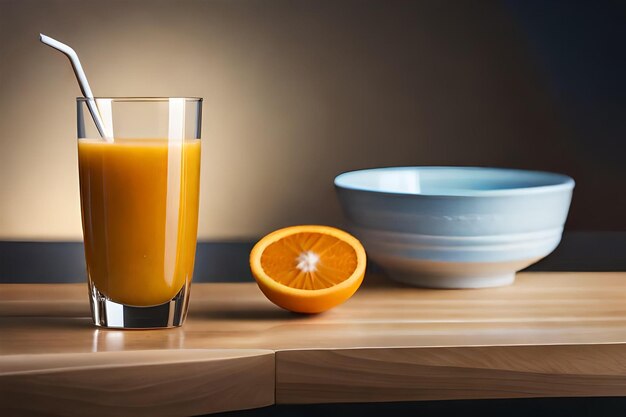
(308, 269)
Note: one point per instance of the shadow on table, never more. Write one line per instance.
(247, 314)
(49, 323)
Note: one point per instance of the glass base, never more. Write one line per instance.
(107, 313)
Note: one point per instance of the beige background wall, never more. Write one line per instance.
(295, 93)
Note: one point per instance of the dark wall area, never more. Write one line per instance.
(579, 54)
(25, 262)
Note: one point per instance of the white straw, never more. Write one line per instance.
(107, 134)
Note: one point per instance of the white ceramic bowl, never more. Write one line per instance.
(452, 227)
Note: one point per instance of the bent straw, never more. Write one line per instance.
(82, 82)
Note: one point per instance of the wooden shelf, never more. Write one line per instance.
(550, 334)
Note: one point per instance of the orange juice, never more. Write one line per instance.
(139, 201)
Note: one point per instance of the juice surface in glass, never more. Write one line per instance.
(139, 200)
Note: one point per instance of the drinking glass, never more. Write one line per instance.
(139, 171)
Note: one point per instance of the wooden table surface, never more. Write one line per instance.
(550, 334)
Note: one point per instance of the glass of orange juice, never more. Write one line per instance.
(139, 187)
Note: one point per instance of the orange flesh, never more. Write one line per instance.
(337, 261)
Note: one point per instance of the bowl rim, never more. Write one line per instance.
(562, 182)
